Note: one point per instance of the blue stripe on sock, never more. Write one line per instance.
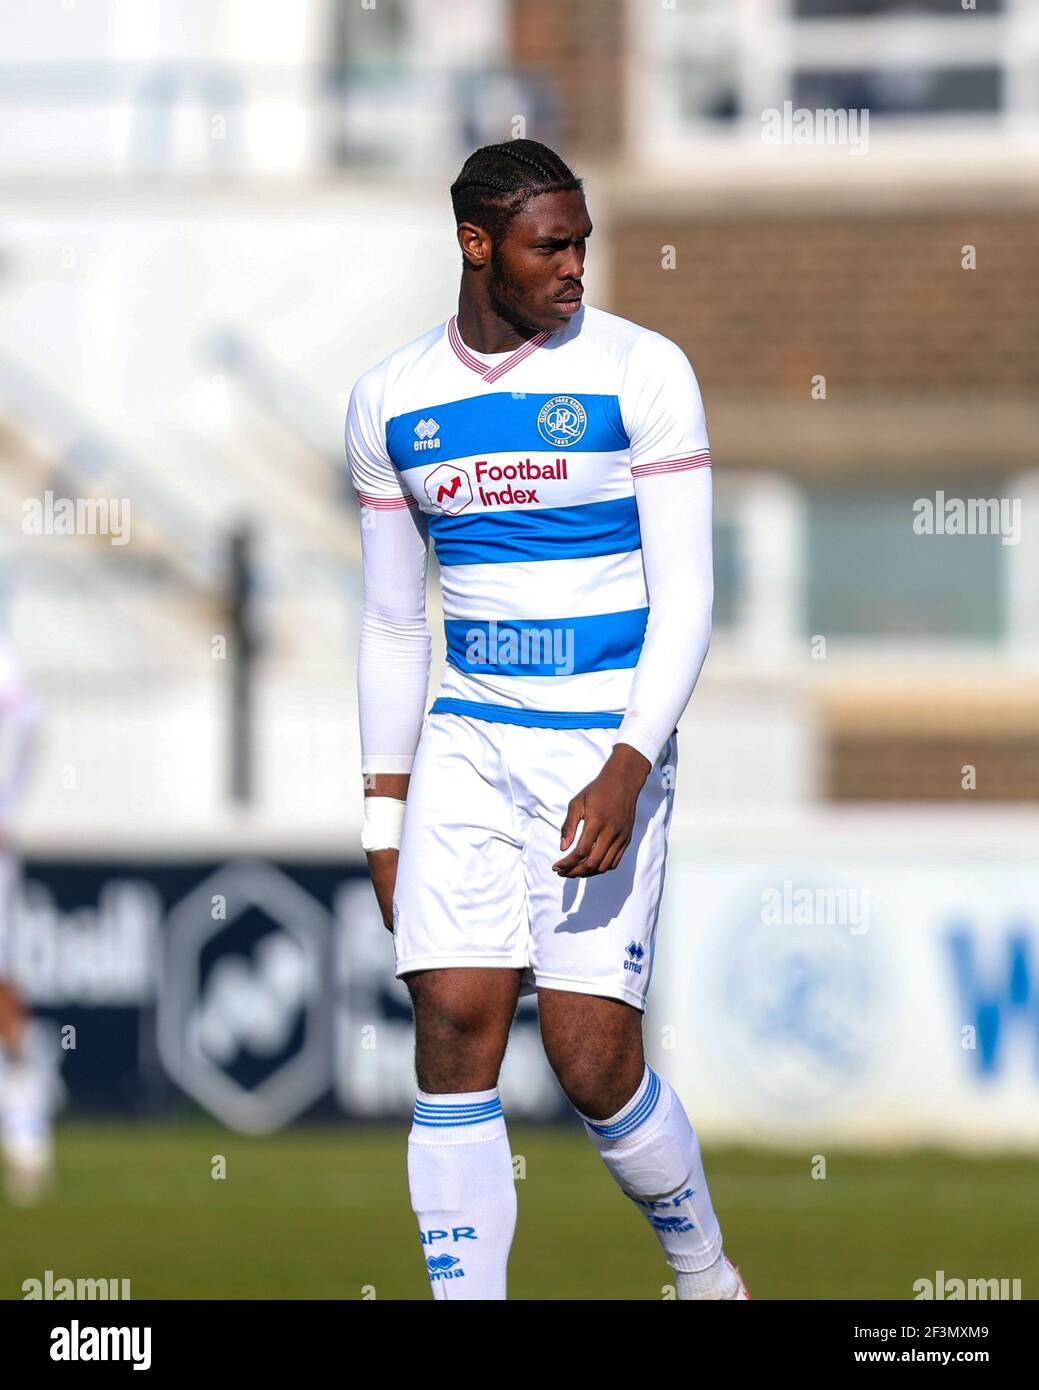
(456, 1107)
(638, 1116)
(457, 1114)
(452, 1124)
(451, 1115)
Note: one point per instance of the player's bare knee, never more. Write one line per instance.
(460, 1033)
(452, 1062)
(597, 1085)
(450, 1003)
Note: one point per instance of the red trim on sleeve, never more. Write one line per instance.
(367, 500)
(700, 460)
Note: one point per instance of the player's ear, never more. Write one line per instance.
(475, 244)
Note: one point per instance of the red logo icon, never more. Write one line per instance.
(448, 488)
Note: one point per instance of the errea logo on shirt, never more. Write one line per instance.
(426, 429)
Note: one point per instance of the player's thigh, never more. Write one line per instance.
(460, 897)
(462, 1023)
(595, 935)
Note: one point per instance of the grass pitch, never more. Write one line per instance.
(323, 1213)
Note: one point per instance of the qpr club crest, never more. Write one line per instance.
(562, 421)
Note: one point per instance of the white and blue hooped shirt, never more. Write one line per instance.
(524, 464)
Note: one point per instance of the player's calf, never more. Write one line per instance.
(463, 1192)
(653, 1154)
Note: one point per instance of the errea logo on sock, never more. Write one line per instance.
(443, 1267)
(670, 1223)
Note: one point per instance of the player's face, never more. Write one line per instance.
(536, 269)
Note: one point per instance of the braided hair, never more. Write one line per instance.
(497, 181)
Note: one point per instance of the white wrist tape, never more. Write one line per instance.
(383, 822)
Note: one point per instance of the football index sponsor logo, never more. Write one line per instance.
(425, 431)
(562, 421)
(524, 471)
(244, 1018)
(636, 952)
(448, 488)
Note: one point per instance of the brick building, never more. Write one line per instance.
(865, 326)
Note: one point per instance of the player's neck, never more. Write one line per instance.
(484, 330)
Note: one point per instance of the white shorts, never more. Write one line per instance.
(475, 886)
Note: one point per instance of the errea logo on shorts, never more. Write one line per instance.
(425, 430)
(562, 421)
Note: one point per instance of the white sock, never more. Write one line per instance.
(719, 1281)
(652, 1151)
(463, 1192)
(25, 1110)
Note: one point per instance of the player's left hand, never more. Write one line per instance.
(607, 807)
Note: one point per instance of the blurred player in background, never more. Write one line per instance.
(558, 457)
(25, 1078)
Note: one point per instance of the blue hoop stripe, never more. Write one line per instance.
(638, 1116)
(453, 1114)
